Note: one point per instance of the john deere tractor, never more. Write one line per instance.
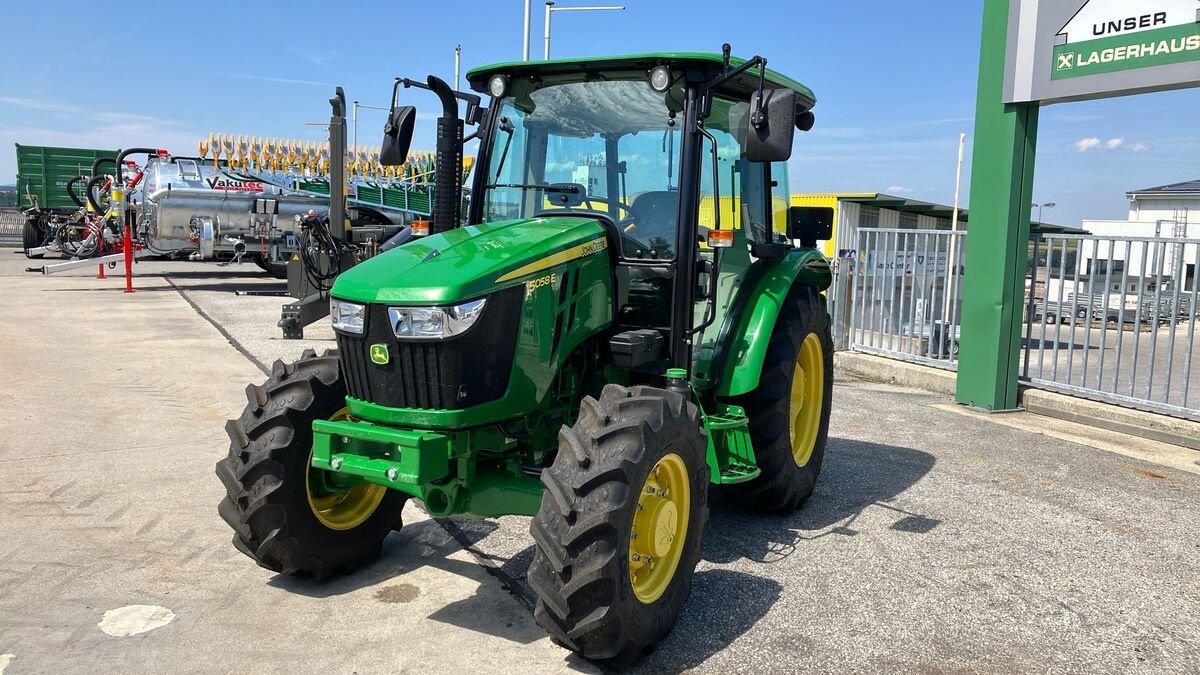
(626, 312)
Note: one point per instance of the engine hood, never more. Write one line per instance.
(470, 261)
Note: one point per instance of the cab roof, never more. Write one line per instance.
(706, 64)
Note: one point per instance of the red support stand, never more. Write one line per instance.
(100, 271)
(128, 241)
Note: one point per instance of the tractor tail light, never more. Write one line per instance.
(720, 238)
(420, 228)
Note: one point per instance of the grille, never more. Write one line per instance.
(452, 374)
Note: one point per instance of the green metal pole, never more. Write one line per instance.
(998, 232)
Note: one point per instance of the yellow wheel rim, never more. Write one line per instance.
(808, 398)
(659, 528)
(341, 510)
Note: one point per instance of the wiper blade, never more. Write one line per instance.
(545, 187)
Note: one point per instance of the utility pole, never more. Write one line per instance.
(952, 263)
(457, 62)
(525, 43)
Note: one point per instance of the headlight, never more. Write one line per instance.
(347, 316)
(435, 322)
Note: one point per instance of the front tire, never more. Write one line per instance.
(789, 410)
(287, 516)
(618, 534)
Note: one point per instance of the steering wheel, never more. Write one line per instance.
(620, 221)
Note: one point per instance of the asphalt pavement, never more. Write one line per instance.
(937, 540)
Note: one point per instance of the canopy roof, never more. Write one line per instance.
(708, 64)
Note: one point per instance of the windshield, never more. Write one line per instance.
(609, 146)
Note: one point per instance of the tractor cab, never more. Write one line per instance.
(625, 312)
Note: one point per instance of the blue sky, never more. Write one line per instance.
(895, 81)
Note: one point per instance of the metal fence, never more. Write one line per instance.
(1114, 318)
(905, 294)
(1106, 317)
(11, 222)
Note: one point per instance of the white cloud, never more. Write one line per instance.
(896, 189)
(283, 80)
(1093, 143)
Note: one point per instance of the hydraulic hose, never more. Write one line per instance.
(447, 198)
(127, 152)
(71, 190)
(93, 197)
(101, 160)
(318, 245)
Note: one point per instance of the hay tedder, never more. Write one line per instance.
(577, 348)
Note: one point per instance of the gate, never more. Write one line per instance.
(1114, 318)
(905, 294)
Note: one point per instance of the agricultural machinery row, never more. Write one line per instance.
(241, 199)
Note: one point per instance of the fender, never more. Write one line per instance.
(749, 339)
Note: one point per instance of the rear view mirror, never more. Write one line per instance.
(397, 135)
(810, 224)
(772, 126)
(566, 195)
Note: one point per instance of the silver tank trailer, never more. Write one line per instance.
(189, 207)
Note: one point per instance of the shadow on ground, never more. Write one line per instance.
(724, 603)
(856, 475)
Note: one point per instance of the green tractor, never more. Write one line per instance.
(626, 312)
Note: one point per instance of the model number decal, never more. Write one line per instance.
(533, 285)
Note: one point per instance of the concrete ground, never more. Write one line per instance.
(937, 540)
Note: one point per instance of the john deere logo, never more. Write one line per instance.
(379, 354)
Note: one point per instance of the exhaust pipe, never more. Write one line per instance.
(447, 199)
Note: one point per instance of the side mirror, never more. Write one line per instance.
(773, 128)
(810, 224)
(397, 135)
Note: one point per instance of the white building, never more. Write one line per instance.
(1168, 212)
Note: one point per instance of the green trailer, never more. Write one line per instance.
(43, 172)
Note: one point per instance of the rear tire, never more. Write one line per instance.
(269, 500)
(788, 448)
(596, 594)
(32, 236)
(275, 269)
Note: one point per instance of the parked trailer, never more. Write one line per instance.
(49, 191)
(43, 173)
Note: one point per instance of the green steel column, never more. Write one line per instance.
(998, 233)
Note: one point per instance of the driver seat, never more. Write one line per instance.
(656, 215)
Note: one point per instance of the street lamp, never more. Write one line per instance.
(1039, 207)
(550, 8)
(354, 117)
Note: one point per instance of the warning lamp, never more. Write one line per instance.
(162, 152)
(720, 238)
(420, 228)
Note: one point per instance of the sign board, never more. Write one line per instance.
(1069, 50)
